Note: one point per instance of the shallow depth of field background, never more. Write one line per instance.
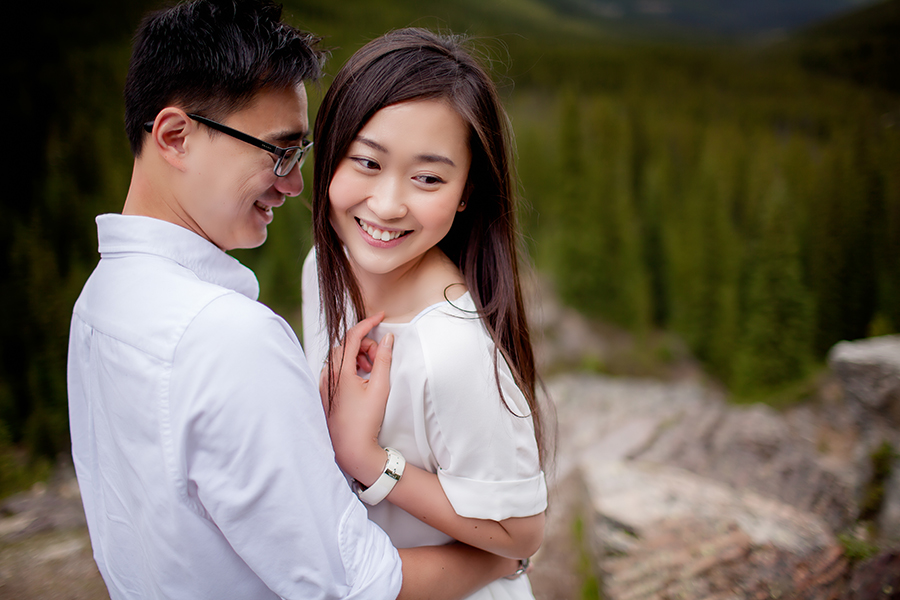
(722, 181)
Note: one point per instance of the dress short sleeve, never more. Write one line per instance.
(485, 447)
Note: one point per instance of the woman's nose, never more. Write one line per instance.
(385, 201)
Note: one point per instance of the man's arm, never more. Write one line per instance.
(258, 460)
(450, 572)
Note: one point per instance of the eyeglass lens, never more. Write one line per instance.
(288, 160)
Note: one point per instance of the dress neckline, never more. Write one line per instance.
(463, 303)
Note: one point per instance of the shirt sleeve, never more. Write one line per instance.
(484, 445)
(251, 446)
(315, 342)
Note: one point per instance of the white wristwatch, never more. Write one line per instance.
(378, 491)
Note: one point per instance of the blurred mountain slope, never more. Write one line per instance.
(863, 46)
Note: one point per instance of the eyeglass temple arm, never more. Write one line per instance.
(240, 135)
(278, 151)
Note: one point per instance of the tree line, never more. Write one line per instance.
(760, 222)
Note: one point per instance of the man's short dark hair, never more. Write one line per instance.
(212, 57)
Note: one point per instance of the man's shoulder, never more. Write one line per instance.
(149, 303)
(234, 312)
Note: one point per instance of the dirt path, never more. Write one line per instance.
(45, 553)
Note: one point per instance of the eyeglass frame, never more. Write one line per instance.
(278, 151)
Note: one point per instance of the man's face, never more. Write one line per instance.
(232, 188)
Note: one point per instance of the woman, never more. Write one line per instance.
(414, 217)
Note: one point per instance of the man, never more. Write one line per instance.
(198, 435)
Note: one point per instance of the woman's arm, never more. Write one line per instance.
(354, 421)
(420, 494)
(447, 572)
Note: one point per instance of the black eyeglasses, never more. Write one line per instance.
(288, 157)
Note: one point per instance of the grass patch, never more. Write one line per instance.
(18, 472)
(856, 550)
(590, 583)
(882, 460)
(787, 395)
(858, 547)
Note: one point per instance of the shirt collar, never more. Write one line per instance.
(131, 234)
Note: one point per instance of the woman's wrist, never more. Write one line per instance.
(389, 477)
(365, 463)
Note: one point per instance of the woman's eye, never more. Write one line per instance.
(366, 163)
(429, 179)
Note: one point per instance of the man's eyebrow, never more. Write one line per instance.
(287, 137)
(427, 158)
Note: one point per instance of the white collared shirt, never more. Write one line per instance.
(198, 436)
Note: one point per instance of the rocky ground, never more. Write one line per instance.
(686, 496)
(660, 489)
(45, 552)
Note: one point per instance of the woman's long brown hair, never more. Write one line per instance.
(415, 64)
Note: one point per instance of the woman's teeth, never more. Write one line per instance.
(384, 236)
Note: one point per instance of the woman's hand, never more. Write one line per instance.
(357, 407)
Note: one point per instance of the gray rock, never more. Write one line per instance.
(637, 496)
(870, 373)
(889, 518)
(690, 497)
(693, 498)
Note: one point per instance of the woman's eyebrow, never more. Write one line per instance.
(426, 158)
(435, 158)
(371, 144)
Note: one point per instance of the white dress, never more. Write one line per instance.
(445, 415)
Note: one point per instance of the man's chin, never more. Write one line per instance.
(248, 244)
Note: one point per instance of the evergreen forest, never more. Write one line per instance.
(741, 193)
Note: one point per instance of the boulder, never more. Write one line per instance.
(870, 373)
(689, 497)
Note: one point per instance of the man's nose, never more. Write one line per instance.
(292, 183)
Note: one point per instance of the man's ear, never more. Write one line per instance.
(169, 136)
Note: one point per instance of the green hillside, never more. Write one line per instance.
(863, 47)
(742, 18)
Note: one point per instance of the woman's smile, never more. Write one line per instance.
(383, 235)
(397, 191)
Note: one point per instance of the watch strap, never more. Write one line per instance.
(393, 470)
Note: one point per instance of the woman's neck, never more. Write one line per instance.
(405, 292)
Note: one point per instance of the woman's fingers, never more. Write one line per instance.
(380, 378)
(366, 356)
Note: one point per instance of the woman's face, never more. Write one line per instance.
(396, 192)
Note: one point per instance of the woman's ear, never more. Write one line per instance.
(169, 135)
(467, 193)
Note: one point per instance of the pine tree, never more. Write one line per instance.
(775, 347)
